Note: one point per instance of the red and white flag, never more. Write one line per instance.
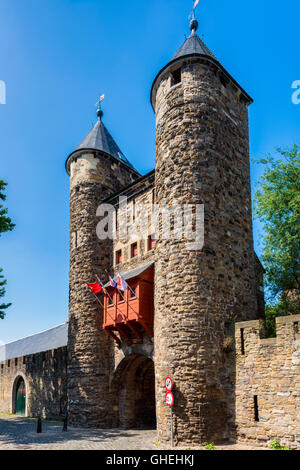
(121, 283)
(95, 288)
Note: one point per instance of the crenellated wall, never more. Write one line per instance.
(45, 377)
(268, 369)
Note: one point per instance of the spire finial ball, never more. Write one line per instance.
(194, 25)
(99, 113)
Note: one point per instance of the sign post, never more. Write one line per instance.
(170, 402)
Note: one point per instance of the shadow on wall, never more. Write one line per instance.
(133, 393)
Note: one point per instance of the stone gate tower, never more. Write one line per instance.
(202, 157)
(97, 169)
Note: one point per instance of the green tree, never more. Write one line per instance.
(277, 206)
(6, 225)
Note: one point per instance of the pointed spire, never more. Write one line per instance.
(194, 48)
(100, 139)
(193, 44)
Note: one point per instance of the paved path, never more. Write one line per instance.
(18, 433)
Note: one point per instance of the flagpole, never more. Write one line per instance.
(127, 300)
(114, 305)
(100, 303)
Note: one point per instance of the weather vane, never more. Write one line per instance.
(99, 111)
(195, 3)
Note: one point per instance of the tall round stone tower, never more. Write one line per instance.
(97, 169)
(202, 157)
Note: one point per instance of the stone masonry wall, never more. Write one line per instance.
(270, 370)
(94, 177)
(202, 157)
(45, 376)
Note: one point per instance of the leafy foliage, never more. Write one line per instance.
(274, 445)
(210, 446)
(277, 205)
(6, 225)
(2, 293)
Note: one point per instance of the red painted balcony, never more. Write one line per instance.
(130, 314)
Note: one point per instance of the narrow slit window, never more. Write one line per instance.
(242, 342)
(110, 300)
(256, 413)
(117, 217)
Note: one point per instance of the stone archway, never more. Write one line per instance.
(19, 387)
(133, 392)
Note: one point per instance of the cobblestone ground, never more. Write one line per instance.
(18, 433)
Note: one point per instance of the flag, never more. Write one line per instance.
(112, 282)
(95, 288)
(195, 3)
(121, 284)
(103, 288)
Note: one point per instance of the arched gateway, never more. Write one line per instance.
(133, 389)
(19, 396)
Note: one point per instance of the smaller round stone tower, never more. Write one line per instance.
(202, 158)
(97, 169)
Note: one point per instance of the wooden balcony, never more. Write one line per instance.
(129, 316)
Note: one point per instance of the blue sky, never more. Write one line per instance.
(58, 56)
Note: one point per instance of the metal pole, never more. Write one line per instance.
(171, 413)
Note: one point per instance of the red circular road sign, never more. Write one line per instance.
(168, 384)
(169, 399)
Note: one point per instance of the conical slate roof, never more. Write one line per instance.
(100, 139)
(193, 45)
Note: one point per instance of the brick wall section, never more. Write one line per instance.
(270, 370)
(90, 350)
(202, 157)
(45, 376)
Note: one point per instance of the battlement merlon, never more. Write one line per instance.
(251, 334)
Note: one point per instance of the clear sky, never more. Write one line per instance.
(58, 56)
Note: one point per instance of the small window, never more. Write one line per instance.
(24, 359)
(256, 414)
(151, 242)
(176, 77)
(16, 361)
(153, 196)
(121, 296)
(133, 292)
(2, 367)
(8, 363)
(134, 250)
(117, 217)
(242, 342)
(119, 257)
(110, 300)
